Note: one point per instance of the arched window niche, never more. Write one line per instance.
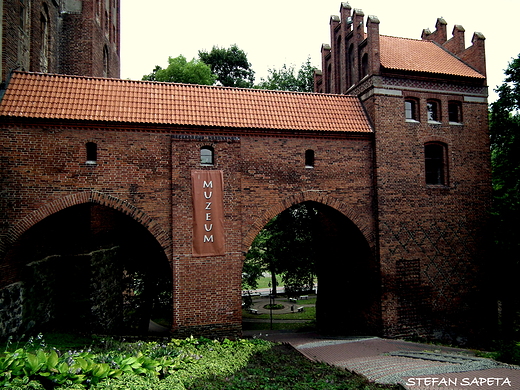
(91, 153)
(309, 158)
(207, 155)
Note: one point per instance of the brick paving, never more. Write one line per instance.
(414, 366)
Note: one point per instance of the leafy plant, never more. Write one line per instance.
(168, 362)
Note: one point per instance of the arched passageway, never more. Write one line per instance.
(92, 268)
(337, 253)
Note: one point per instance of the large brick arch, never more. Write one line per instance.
(348, 211)
(162, 237)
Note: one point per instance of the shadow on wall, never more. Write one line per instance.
(89, 269)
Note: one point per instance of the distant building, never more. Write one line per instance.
(75, 37)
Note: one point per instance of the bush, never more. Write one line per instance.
(138, 365)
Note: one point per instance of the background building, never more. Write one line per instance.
(75, 37)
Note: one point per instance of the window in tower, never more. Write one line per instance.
(455, 112)
(411, 110)
(435, 163)
(433, 110)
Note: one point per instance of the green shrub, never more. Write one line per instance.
(140, 365)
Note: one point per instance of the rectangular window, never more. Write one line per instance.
(410, 110)
(91, 153)
(455, 112)
(432, 108)
(309, 158)
(435, 164)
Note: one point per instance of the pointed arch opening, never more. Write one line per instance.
(313, 251)
(92, 268)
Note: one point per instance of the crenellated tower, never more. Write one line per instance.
(427, 100)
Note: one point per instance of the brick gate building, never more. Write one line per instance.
(393, 153)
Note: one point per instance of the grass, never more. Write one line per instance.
(264, 282)
(283, 368)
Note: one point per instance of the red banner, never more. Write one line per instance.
(208, 212)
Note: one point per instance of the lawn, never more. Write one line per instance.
(265, 282)
(63, 362)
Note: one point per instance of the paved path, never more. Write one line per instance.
(288, 307)
(414, 366)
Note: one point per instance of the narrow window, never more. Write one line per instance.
(337, 72)
(328, 80)
(364, 65)
(455, 112)
(206, 155)
(22, 15)
(435, 163)
(44, 39)
(106, 62)
(410, 110)
(432, 107)
(91, 153)
(350, 70)
(309, 158)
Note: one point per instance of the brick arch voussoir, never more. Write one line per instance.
(316, 196)
(100, 198)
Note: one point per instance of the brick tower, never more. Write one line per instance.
(76, 37)
(427, 99)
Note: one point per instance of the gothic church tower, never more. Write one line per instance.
(75, 37)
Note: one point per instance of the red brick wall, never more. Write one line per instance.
(84, 36)
(146, 174)
(432, 238)
(75, 39)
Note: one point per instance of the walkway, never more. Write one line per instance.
(414, 366)
(288, 307)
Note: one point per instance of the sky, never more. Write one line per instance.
(277, 32)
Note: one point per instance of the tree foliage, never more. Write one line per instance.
(180, 70)
(505, 158)
(505, 155)
(288, 79)
(285, 247)
(231, 66)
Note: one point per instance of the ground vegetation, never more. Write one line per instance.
(193, 363)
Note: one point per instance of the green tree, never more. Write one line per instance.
(288, 79)
(285, 247)
(505, 159)
(230, 65)
(179, 70)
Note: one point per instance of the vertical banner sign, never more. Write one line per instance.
(208, 213)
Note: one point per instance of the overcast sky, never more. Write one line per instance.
(278, 32)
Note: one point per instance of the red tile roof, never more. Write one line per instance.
(422, 56)
(59, 97)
